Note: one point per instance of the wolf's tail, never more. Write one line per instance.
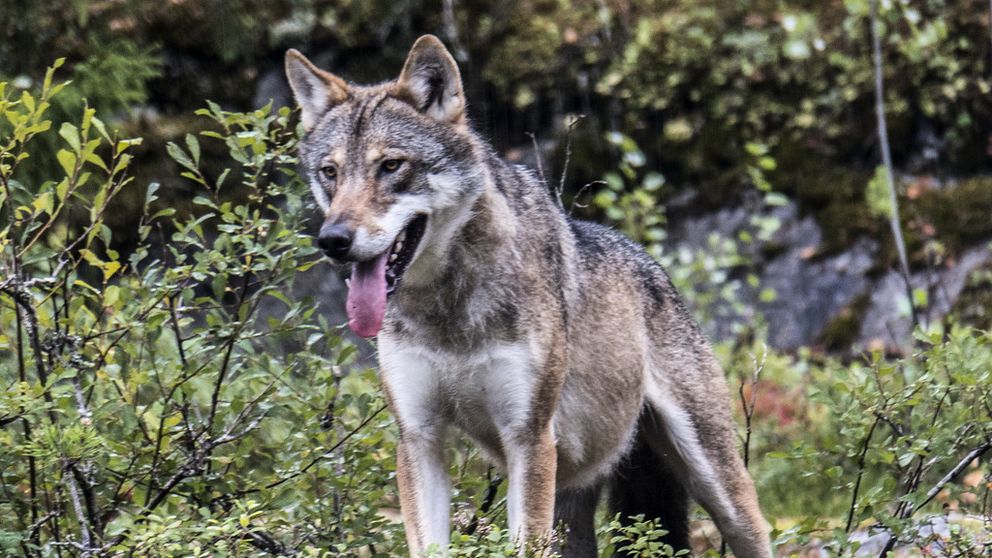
(644, 484)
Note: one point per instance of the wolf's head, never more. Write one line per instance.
(391, 166)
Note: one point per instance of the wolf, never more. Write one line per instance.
(558, 346)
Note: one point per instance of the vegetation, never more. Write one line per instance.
(165, 393)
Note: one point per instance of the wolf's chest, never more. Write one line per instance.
(488, 393)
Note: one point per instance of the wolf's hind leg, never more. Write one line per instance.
(575, 509)
(644, 485)
(691, 430)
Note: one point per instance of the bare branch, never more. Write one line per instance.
(883, 138)
(954, 472)
(451, 31)
(575, 198)
(329, 451)
(487, 501)
(861, 471)
(537, 157)
(972, 455)
(77, 507)
(568, 156)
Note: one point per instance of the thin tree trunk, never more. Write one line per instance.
(883, 139)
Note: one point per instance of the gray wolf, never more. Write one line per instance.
(559, 346)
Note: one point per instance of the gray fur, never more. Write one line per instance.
(502, 265)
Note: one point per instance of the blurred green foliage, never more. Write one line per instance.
(151, 407)
(693, 84)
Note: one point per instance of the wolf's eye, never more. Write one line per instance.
(391, 165)
(330, 172)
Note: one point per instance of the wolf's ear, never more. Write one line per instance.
(316, 91)
(430, 81)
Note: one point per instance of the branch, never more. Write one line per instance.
(568, 157)
(451, 31)
(487, 501)
(861, 471)
(749, 406)
(267, 543)
(972, 455)
(932, 493)
(537, 157)
(883, 138)
(331, 450)
(84, 527)
(575, 198)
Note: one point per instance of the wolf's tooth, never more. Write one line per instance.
(399, 246)
(392, 257)
(347, 282)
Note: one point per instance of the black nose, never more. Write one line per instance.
(335, 240)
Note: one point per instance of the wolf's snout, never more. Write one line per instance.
(335, 240)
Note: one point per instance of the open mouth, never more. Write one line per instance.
(402, 251)
(372, 281)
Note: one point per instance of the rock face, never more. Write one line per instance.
(888, 321)
(812, 291)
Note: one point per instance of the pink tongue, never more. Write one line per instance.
(367, 296)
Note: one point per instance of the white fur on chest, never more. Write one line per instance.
(489, 391)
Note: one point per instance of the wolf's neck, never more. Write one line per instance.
(464, 237)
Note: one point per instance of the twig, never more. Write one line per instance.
(267, 543)
(575, 198)
(26, 424)
(33, 531)
(77, 507)
(537, 157)
(174, 321)
(748, 416)
(749, 407)
(568, 156)
(883, 138)
(451, 30)
(861, 471)
(331, 450)
(972, 455)
(487, 501)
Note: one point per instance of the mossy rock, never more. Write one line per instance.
(974, 306)
(843, 329)
(832, 193)
(961, 213)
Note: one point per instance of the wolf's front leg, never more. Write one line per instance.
(425, 495)
(530, 498)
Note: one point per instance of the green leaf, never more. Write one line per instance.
(194, 147)
(100, 128)
(150, 193)
(70, 134)
(877, 193)
(95, 159)
(67, 160)
(28, 101)
(124, 144)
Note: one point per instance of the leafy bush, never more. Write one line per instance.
(147, 406)
(902, 437)
(641, 538)
(177, 400)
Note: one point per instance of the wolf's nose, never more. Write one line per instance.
(335, 240)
